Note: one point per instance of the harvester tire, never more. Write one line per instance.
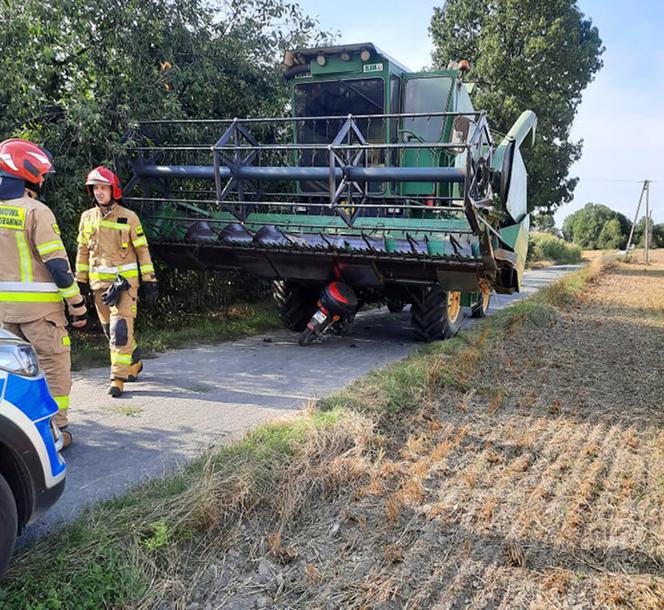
(296, 304)
(430, 315)
(479, 308)
(395, 306)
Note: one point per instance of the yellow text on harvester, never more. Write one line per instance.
(12, 217)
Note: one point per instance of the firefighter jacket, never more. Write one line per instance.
(35, 276)
(112, 244)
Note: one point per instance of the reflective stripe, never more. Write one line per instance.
(82, 267)
(89, 227)
(29, 297)
(118, 226)
(62, 402)
(110, 273)
(147, 269)
(120, 358)
(25, 262)
(28, 287)
(118, 269)
(140, 241)
(50, 246)
(29, 292)
(72, 291)
(125, 244)
(112, 276)
(66, 340)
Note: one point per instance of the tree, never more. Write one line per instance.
(611, 237)
(597, 227)
(76, 74)
(656, 234)
(526, 54)
(545, 223)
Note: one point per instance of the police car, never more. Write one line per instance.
(32, 471)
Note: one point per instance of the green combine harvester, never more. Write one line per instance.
(384, 183)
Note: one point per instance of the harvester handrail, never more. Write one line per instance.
(368, 146)
(308, 146)
(335, 117)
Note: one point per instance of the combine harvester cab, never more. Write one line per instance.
(383, 179)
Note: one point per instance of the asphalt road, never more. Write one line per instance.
(188, 400)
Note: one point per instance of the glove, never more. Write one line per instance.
(112, 295)
(79, 319)
(149, 292)
(87, 294)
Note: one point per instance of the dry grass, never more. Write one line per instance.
(530, 475)
(518, 466)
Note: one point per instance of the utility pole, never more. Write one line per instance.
(647, 227)
(644, 190)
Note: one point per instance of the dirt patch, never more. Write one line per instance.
(533, 478)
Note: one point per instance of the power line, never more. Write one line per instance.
(616, 180)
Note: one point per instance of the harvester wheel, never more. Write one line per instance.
(481, 306)
(395, 306)
(436, 314)
(296, 304)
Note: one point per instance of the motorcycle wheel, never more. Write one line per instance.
(307, 337)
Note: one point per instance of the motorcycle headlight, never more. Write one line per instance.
(19, 359)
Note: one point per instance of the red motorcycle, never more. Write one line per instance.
(337, 307)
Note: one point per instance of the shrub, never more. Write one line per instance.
(547, 247)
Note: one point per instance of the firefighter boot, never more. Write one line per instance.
(66, 438)
(116, 388)
(134, 370)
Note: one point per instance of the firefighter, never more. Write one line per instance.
(35, 276)
(113, 260)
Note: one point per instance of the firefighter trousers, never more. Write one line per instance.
(50, 340)
(117, 322)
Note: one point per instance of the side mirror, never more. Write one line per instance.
(461, 128)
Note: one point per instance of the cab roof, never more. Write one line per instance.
(301, 56)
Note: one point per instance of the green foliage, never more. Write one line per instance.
(547, 247)
(526, 54)
(597, 227)
(544, 222)
(656, 234)
(611, 236)
(158, 536)
(75, 75)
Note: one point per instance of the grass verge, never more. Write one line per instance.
(152, 544)
(90, 348)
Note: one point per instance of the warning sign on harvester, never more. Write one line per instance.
(12, 217)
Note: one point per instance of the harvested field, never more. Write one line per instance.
(528, 473)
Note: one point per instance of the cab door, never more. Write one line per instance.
(425, 92)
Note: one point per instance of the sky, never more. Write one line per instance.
(620, 119)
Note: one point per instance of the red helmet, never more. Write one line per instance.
(103, 175)
(25, 160)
